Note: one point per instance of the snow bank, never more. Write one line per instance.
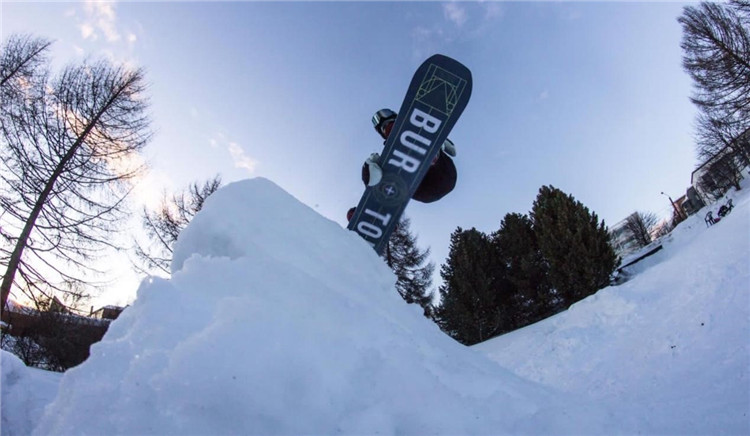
(25, 392)
(668, 351)
(278, 321)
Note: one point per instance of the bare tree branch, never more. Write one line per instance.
(66, 145)
(640, 225)
(716, 46)
(164, 225)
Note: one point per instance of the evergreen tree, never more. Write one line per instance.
(574, 244)
(518, 249)
(409, 263)
(472, 306)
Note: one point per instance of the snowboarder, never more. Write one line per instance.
(440, 178)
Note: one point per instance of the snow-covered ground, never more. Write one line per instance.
(278, 321)
(25, 393)
(667, 352)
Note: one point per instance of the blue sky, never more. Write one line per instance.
(589, 97)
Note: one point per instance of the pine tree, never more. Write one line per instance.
(473, 306)
(518, 249)
(574, 244)
(409, 263)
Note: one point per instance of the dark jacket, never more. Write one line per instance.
(439, 180)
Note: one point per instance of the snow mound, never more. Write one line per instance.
(25, 391)
(278, 321)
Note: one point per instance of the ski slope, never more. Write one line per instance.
(278, 321)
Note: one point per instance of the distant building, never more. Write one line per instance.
(716, 175)
(107, 312)
(621, 239)
(694, 201)
(19, 319)
(57, 306)
(62, 339)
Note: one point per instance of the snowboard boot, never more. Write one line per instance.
(371, 171)
(449, 148)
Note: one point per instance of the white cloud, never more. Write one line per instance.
(455, 13)
(483, 15)
(106, 21)
(544, 95)
(241, 160)
(492, 10)
(220, 141)
(100, 17)
(87, 31)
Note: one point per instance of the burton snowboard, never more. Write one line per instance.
(437, 95)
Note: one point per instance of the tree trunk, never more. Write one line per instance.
(21, 244)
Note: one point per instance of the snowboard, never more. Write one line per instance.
(437, 95)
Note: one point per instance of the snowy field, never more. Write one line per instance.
(278, 321)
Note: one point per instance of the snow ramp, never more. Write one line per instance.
(279, 321)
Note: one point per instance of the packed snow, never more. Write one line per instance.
(25, 393)
(279, 321)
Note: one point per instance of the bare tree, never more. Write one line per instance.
(721, 174)
(640, 225)
(69, 149)
(716, 45)
(22, 61)
(743, 10)
(714, 135)
(663, 228)
(716, 42)
(164, 225)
